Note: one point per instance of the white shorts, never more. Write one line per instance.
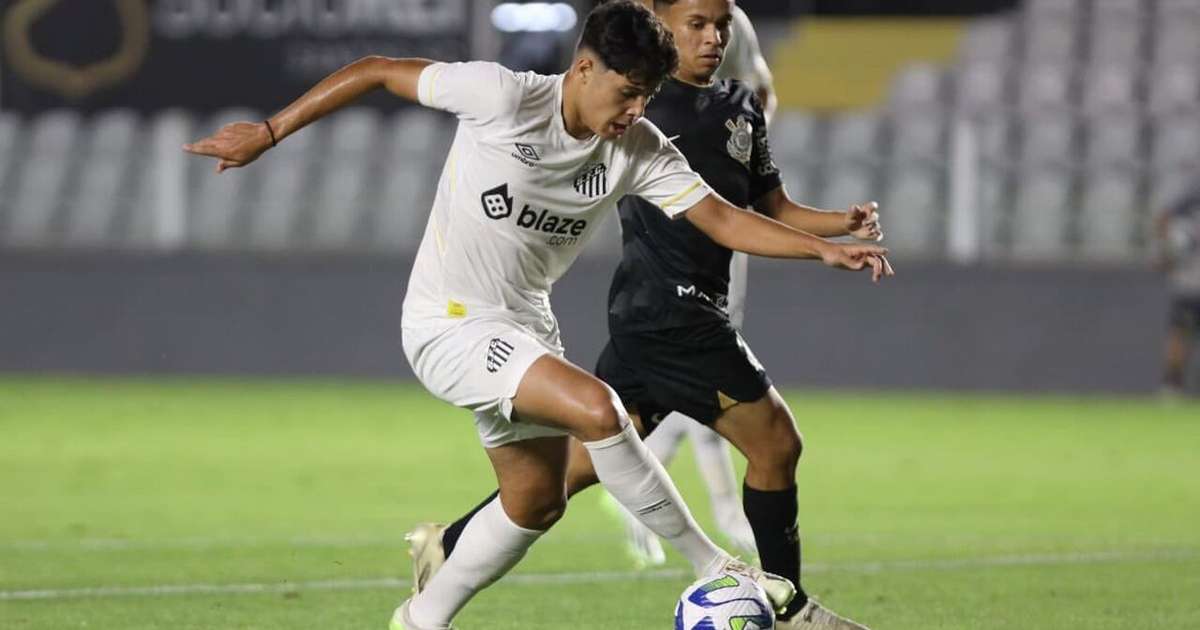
(477, 363)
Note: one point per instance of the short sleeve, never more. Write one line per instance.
(476, 91)
(764, 174)
(661, 174)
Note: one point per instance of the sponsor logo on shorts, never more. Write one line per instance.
(497, 355)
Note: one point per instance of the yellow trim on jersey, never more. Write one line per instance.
(670, 202)
(437, 235)
(457, 310)
(437, 72)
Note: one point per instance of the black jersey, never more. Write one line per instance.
(671, 274)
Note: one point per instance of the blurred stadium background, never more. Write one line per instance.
(1019, 153)
(1018, 150)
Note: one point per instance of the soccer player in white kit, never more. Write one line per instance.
(537, 161)
(743, 61)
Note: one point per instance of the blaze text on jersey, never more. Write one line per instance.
(559, 230)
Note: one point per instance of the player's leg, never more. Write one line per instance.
(641, 543)
(664, 442)
(765, 431)
(557, 394)
(521, 391)
(1185, 317)
(532, 497)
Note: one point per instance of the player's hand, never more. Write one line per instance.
(857, 257)
(862, 222)
(234, 145)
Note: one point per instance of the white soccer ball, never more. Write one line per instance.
(724, 602)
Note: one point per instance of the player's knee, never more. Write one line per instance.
(540, 512)
(603, 417)
(550, 513)
(786, 444)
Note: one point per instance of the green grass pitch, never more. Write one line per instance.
(199, 504)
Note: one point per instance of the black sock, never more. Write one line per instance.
(772, 515)
(455, 529)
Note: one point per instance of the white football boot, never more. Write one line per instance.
(425, 547)
(402, 621)
(780, 590)
(814, 616)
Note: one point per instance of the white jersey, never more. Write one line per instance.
(743, 57)
(519, 198)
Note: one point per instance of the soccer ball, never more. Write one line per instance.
(724, 602)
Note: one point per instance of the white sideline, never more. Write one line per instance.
(1179, 555)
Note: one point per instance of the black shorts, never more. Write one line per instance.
(1185, 312)
(699, 371)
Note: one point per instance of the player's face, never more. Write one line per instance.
(701, 30)
(613, 102)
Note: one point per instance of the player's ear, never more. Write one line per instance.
(585, 66)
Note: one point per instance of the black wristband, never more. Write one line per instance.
(270, 131)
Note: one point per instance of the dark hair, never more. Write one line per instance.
(631, 41)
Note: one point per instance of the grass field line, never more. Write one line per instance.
(1180, 555)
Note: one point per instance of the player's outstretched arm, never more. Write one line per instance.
(744, 231)
(238, 144)
(861, 221)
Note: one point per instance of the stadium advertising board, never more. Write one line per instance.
(205, 55)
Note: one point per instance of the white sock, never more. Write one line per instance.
(637, 481)
(667, 436)
(490, 545)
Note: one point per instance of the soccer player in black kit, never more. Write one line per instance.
(672, 346)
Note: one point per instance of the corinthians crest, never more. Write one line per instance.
(741, 140)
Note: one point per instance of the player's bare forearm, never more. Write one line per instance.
(240, 143)
(743, 231)
(753, 233)
(398, 76)
(777, 205)
(819, 222)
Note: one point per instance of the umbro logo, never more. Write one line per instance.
(497, 354)
(592, 181)
(526, 154)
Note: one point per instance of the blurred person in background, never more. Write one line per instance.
(743, 61)
(536, 161)
(1178, 231)
(672, 345)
